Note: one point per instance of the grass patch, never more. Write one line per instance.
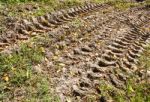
(145, 59)
(18, 80)
(122, 4)
(17, 8)
(22, 60)
(134, 93)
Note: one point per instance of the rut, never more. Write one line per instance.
(111, 61)
(25, 29)
(105, 51)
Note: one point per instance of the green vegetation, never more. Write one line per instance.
(24, 1)
(18, 7)
(18, 80)
(134, 92)
(28, 8)
(122, 4)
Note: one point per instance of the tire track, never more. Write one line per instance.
(24, 29)
(106, 50)
(121, 54)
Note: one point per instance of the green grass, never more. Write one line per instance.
(16, 73)
(52, 5)
(134, 93)
(24, 1)
(122, 4)
(44, 6)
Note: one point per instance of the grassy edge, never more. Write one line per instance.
(18, 79)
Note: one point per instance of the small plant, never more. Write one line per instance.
(77, 23)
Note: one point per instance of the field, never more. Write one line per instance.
(74, 51)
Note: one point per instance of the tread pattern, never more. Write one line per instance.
(25, 29)
(110, 54)
(115, 62)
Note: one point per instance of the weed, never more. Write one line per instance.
(77, 23)
(134, 93)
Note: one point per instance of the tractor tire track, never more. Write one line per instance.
(106, 48)
(120, 53)
(24, 29)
